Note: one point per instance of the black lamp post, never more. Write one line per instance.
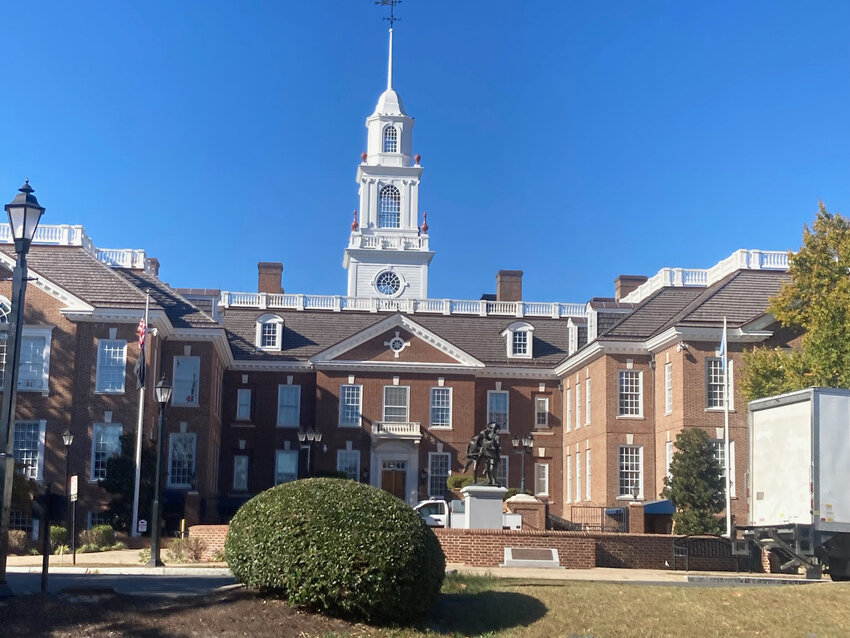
(522, 446)
(24, 215)
(163, 394)
(68, 440)
(308, 438)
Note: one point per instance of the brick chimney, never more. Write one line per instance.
(624, 284)
(509, 285)
(269, 277)
(152, 266)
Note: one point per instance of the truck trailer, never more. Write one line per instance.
(798, 482)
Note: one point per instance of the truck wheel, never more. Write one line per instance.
(838, 571)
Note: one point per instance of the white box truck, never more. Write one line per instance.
(798, 485)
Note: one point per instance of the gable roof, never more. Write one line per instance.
(180, 311)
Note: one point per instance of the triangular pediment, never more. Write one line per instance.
(396, 341)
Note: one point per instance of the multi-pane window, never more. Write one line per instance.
(720, 454)
(502, 472)
(288, 406)
(629, 393)
(350, 405)
(269, 333)
(587, 474)
(390, 140)
(569, 395)
(31, 369)
(240, 473)
(568, 468)
(578, 475)
(106, 443)
(181, 459)
(629, 470)
(668, 457)
(20, 520)
(3, 336)
(187, 371)
(111, 362)
(578, 405)
(714, 386)
(497, 408)
(396, 403)
(541, 479)
(243, 404)
(28, 447)
(285, 466)
(389, 207)
(668, 388)
(438, 472)
(520, 342)
(441, 407)
(587, 401)
(102, 517)
(348, 461)
(541, 412)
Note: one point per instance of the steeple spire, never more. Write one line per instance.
(390, 63)
(392, 20)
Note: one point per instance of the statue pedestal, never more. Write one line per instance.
(483, 505)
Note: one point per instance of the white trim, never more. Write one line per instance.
(509, 332)
(297, 394)
(545, 398)
(172, 437)
(406, 418)
(47, 333)
(107, 426)
(359, 423)
(101, 345)
(273, 320)
(239, 393)
(544, 478)
(431, 407)
(506, 426)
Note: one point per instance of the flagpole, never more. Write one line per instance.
(134, 530)
(726, 459)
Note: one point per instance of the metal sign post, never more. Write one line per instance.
(74, 519)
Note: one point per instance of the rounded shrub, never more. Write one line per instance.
(338, 547)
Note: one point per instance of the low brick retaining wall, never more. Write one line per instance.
(576, 550)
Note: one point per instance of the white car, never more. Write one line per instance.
(434, 512)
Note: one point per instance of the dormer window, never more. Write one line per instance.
(519, 340)
(269, 332)
(390, 140)
(389, 207)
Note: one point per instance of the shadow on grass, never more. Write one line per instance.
(487, 611)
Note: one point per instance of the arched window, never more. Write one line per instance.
(5, 309)
(389, 208)
(390, 140)
(519, 340)
(269, 332)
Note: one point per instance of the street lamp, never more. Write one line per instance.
(307, 439)
(68, 440)
(24, 214)
(163, 394)
(522, 446)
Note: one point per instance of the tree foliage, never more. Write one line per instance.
(120, 481)
(815, 301)
(695, 485)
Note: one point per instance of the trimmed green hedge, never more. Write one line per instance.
(338, 547)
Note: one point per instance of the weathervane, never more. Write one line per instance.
(391, 4)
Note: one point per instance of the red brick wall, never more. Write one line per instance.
(213, 536)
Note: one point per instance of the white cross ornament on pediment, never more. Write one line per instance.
(397, 344)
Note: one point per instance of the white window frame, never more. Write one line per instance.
(29, 384)
(387, 139)
(719, 449)
(708, 384)
(269, 320)
(568, 395)
(541, 408)
(668, 457)
(343, 466)
(108, 427)
(294, 390)
(438, 390)
(519, 340)
(578, 476)
(631, 412)
(344, 405)
(389, 206)
(568, 468)
(587, 496)
(503, 471)
(240, 474)
(278, 454)
(437, 482)
(668, 388)
(406, 405)
(541, 479)
(578, 405)
(174, 438)
(243, 404)
(492, 393)
(587, 401)
(100, 384)
(186, 396)
(37, 473)
(621, 472)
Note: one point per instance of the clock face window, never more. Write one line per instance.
(388, 283)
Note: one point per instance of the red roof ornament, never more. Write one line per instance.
(423, 229)
(363, 156)
(417, 158)
(354, 225)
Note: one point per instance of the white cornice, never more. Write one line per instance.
(242, 365)
(392, 366)
(508, 372)
(596, 348)
(216, 335)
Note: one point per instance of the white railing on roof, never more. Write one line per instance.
(384, 242)
(395, 430)
(704, 277)
(337, 303)
(75, 235)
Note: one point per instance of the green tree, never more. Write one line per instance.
(695, 485)
(120, 482)
(816, 302)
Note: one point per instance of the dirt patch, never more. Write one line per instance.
(233, 612)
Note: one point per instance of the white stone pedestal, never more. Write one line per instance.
(483, 504)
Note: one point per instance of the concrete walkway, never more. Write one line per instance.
(126, 561)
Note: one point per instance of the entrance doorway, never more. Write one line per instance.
(394, 477)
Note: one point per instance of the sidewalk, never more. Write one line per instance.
(122, 561)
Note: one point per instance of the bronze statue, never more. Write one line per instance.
(484, 447)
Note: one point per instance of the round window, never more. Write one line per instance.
(388, 283)
(396, 344)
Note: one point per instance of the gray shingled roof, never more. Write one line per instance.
(181, 312)
(653, 313)
(307, 333)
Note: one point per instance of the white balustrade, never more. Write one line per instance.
(395, 430)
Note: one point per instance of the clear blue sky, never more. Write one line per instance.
(572, 140)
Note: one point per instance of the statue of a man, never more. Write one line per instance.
(491, 452)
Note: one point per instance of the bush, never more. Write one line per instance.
(58, 536)
(144, 554)
(186, 549)
(339, 547)
(88, 548)
(457, 481)
(19, 542)
(101, 536)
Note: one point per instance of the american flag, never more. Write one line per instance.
(140, 362)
